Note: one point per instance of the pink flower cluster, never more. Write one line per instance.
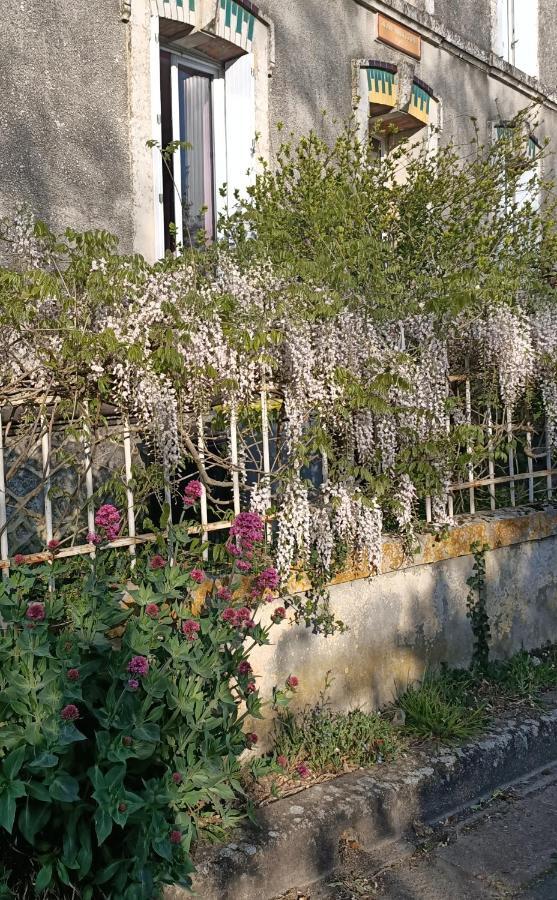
(292, 682)
(238, 618)
(267, 580)
(53, 545)
(73, 674)
(198, 575)
(109, 520)
(175, 837)
(70, 713)
(35, 612)
(193, 492)
(191, 628)
(152, 610)
(157, 562)
(279, 615)
(244, 668)
(246, 531)
(138, 665)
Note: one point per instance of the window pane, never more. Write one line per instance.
(197, 160)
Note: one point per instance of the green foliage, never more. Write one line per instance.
(477, 608)
(525, 675)
(122, 711)
(328, 741)
(442, 707)
(416, 231)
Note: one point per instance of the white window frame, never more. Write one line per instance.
(521, 51)
(204, 66)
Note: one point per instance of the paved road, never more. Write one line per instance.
(505, 848)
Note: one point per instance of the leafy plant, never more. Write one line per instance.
(122, 717)
(477, 608)
(326, 741)
(441, 707)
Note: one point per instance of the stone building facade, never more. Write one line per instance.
(86, 85)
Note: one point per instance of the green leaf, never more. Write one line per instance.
(32, 819)
(69, 734)
(13, 763)
(64, 788)
(147, 732)
(103, 825)
(43, 878)
(44, 761)
(106, 874)
(10, 793)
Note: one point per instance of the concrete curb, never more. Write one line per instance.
(297, 841)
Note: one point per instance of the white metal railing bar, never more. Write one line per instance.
(511, 458)
(203, 500)
(129, 492)
(549, 466)
(45, 451)
(468, 402)
(234, 460)
(88, 458)
(4, 546)
(490, 460)
(502, 479)
(530, 465)
(266, 446)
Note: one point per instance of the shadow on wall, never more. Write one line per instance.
(64, 115)
(405, 622)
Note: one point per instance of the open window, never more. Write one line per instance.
(209, 71)
(515, 34)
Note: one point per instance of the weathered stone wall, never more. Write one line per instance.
(413, 615)
(316, 42)
(64, 114)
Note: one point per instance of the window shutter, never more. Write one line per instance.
(526, 36)
(239, 89)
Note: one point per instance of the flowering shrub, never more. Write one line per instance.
(344, 294)
(122, 717)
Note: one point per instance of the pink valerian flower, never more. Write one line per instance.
(251, 687)
(109, 519)
(243, 566)
(157, 562)
(238, 618)
(177, 778)
(138, 665)
(152, 610)
(175, 837)
(282, 762)
(72, 674)
(133, 684)
(252, 739)
(19, 559)
(279, 615)
(292, 682)
(35, 612)
(244, 668)
(268, 580)
(93, 538)
(233, 549)
(224, 593)
(193, 492)
(70, 713)
(191, 628)
(53, 545)
(303, 771)
(248, 529)
(198, 575)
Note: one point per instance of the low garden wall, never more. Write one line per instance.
(413, 615)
